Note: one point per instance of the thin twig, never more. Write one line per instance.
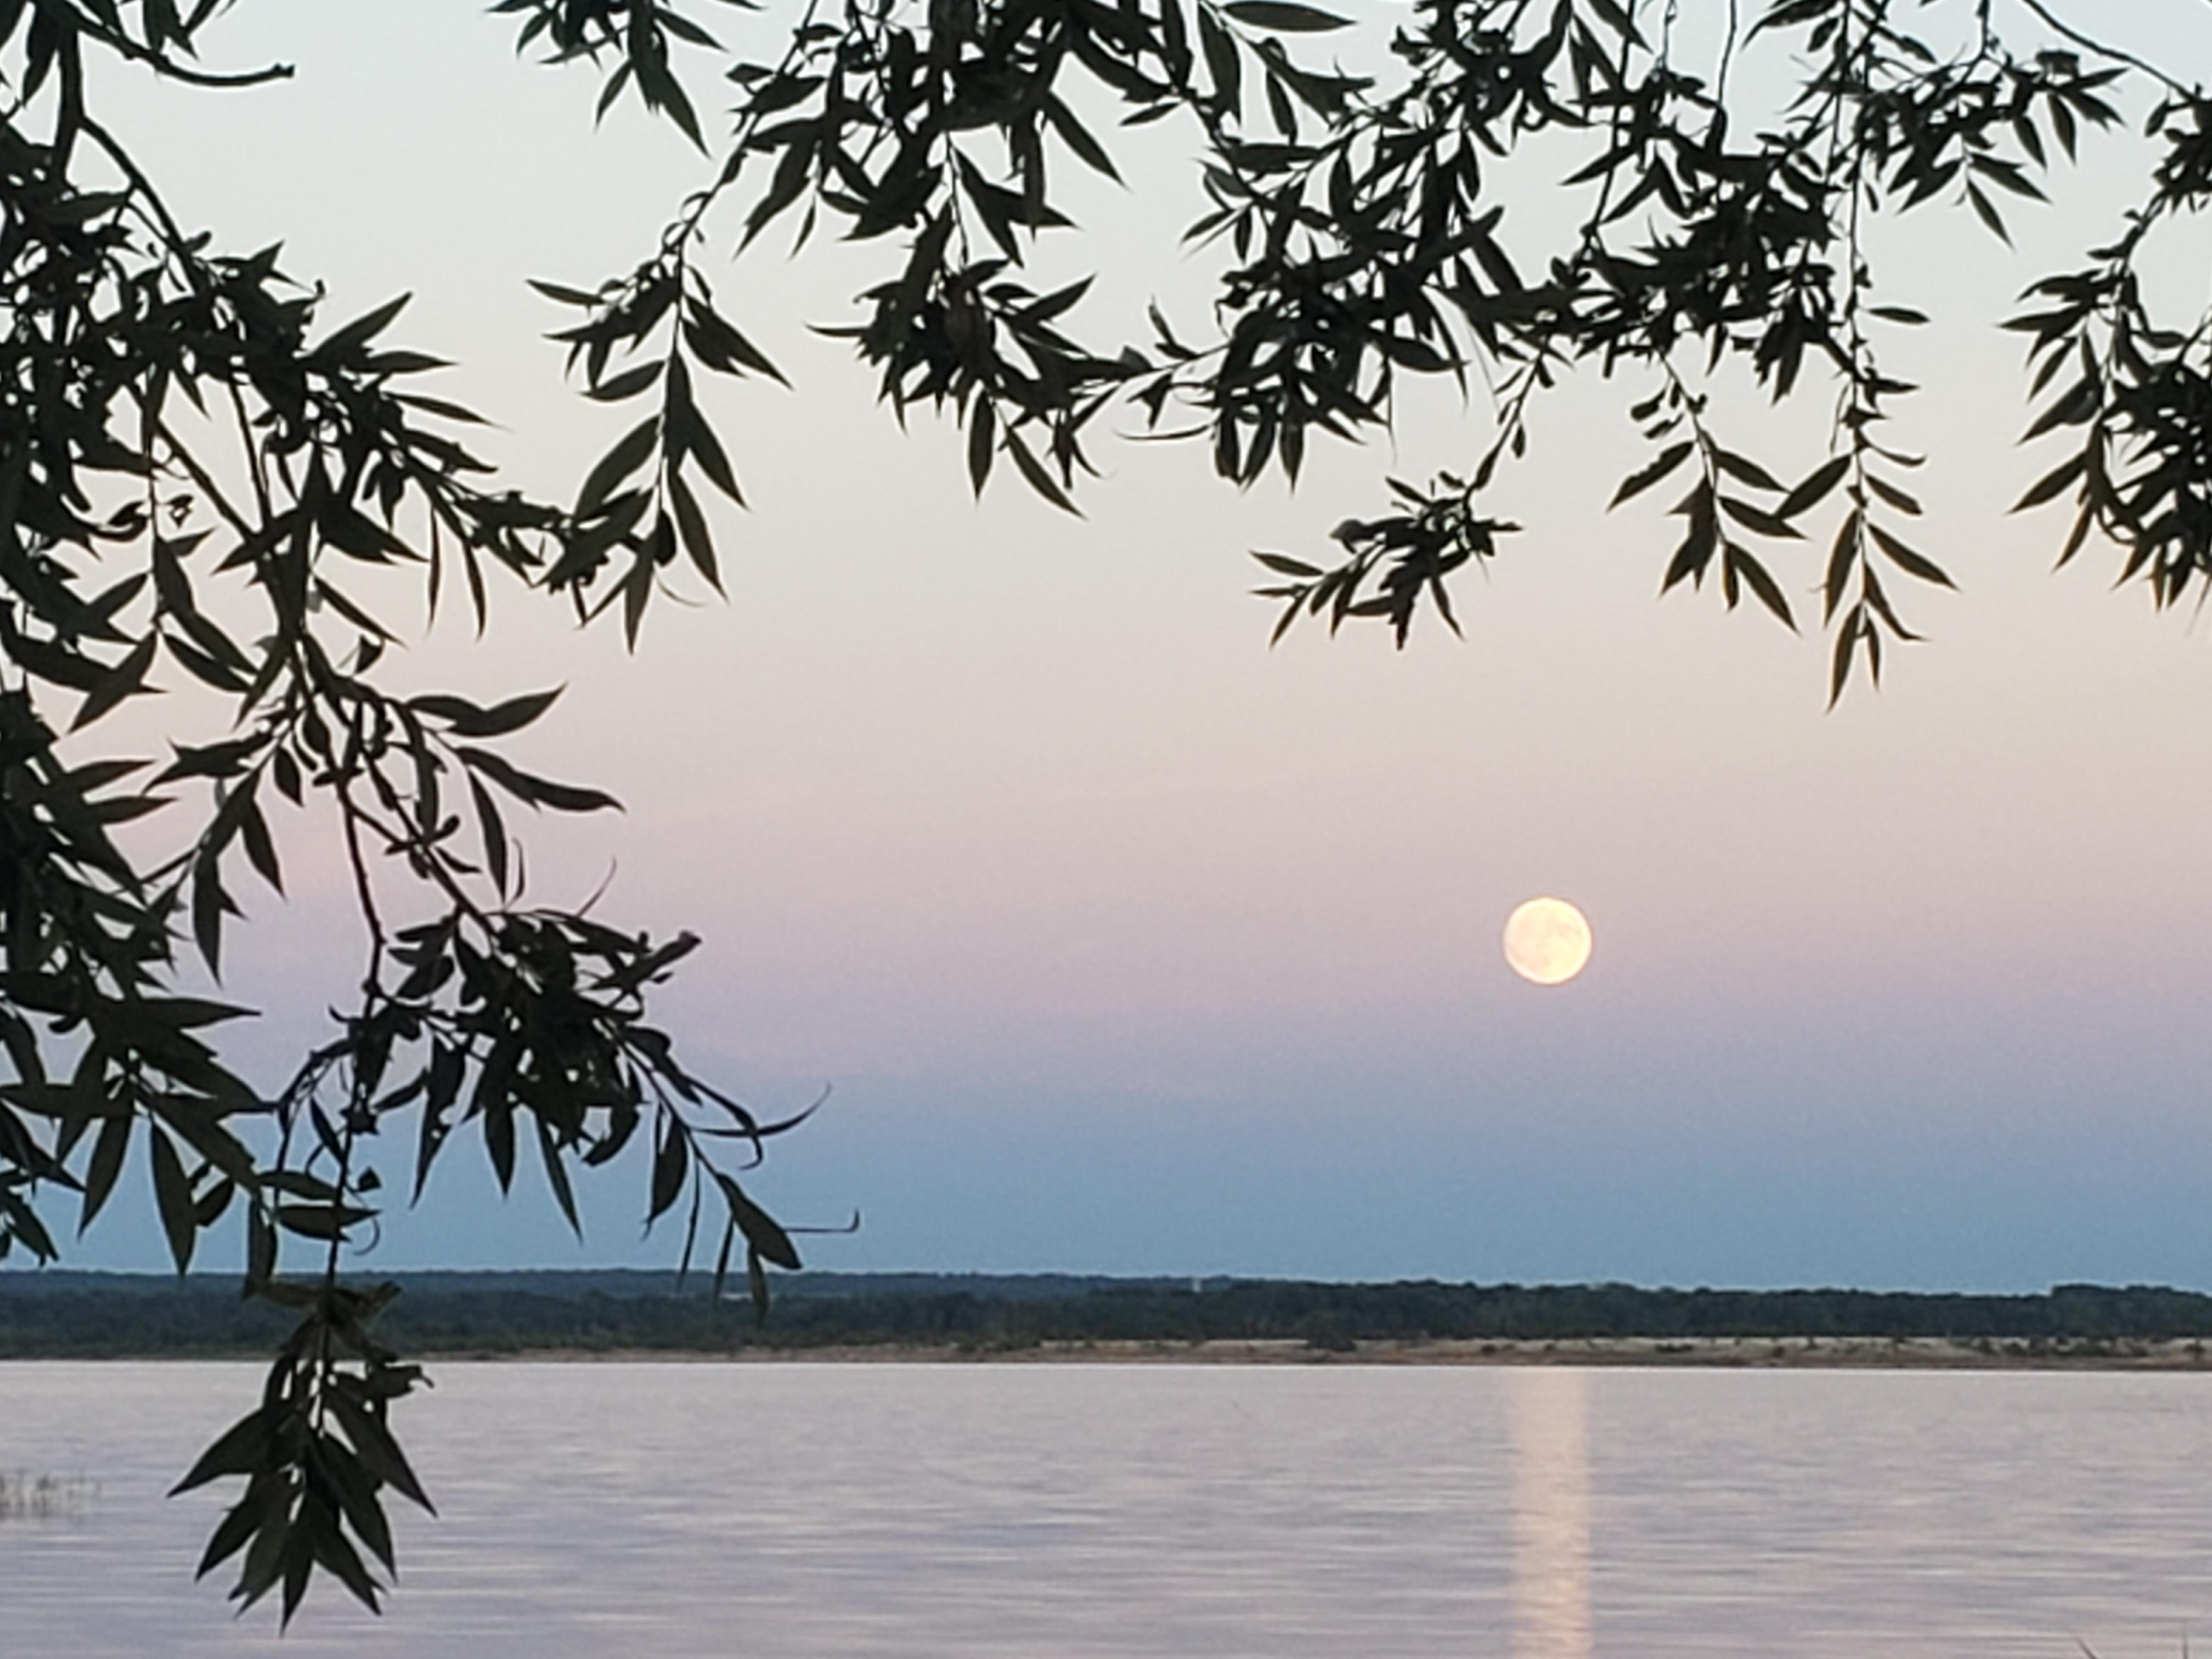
(124, 47)
(2114, 53)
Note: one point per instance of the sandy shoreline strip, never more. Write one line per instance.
(1740, 1353)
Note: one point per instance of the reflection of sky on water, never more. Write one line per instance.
(1551, 1514)
(889, 1511)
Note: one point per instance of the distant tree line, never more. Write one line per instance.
(94, 1316)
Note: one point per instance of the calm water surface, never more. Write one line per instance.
(1050, 1511)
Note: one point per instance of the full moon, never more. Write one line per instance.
(1547, 941)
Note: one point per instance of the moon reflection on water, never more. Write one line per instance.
(1549, 1414)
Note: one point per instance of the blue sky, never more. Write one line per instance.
(1129, 944)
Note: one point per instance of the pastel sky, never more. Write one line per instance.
(1129, 944)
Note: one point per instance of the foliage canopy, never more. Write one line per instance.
(197, 474)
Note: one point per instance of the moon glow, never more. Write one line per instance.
(1547, 941)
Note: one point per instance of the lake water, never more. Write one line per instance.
(1051, 1511)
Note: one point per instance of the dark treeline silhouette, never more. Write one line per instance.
(92, 1314)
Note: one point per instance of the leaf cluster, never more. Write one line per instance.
(317, 1456)
(201, 482)
(1366, 223)
(1384, 250)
